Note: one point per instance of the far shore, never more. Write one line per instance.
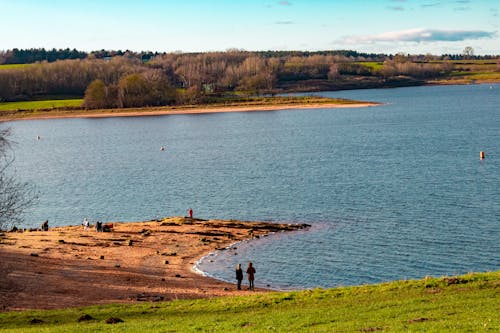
(133, 262)
(162, 111)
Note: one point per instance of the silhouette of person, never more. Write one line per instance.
(45, 225)
(251, 276)
(190, 213)
(239, 275)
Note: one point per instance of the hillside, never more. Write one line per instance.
(468, 303)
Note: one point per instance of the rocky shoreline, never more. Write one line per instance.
(133, 262)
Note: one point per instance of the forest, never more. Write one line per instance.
(116, 79)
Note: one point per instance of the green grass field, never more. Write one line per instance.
(14, 66)
(374, 65)
(38, 105)
(468, 303)
(477, 75)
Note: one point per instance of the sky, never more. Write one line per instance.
(373, 26)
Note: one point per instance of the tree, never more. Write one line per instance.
(468, 52)
(15, 196)
(132, 90)
(96, 95)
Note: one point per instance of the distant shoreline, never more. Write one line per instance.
(163, 111)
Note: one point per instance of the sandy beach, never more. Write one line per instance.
(162, 111)
(135, 262)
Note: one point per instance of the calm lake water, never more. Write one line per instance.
(392, 192)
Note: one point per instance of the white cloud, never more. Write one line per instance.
(421, 35)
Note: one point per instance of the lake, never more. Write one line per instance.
(395, 191)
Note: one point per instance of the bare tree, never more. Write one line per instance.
(15, 196)
(468, 52)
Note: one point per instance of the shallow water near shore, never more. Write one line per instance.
(392, 192)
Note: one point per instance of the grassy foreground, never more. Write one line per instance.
(468, 303)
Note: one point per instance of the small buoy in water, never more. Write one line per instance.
(38, 137)
(481, 155)
(162, 148)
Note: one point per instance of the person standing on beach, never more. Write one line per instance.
(85, 224)
(45, 225)
(239, 275)
(251, 276)
(190, 212)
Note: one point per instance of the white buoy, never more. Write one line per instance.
(162, 148)
(481, 155)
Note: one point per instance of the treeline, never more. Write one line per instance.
(176, 78)
(29, 56)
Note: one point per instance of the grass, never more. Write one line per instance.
(40, 105)
(477, 75)
(13, 66)
(374, 65)
(469, 303)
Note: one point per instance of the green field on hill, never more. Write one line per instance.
(13, 66)
(39, 105)
(468, 303)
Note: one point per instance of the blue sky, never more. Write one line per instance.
(385, 26)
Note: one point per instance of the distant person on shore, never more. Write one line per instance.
(190, 212)
(85, 224)
(98, 226)
(45, 225)
(251, 276)
(239, 275)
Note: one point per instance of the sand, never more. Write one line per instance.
(136, 262)
(162, 111)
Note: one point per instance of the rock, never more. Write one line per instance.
(451, 280)
(418, 320)
(166, 262)
(61, 241)
(101, 257)
(34, 254)
(117, 266)
(85, 317)
(113, 320)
